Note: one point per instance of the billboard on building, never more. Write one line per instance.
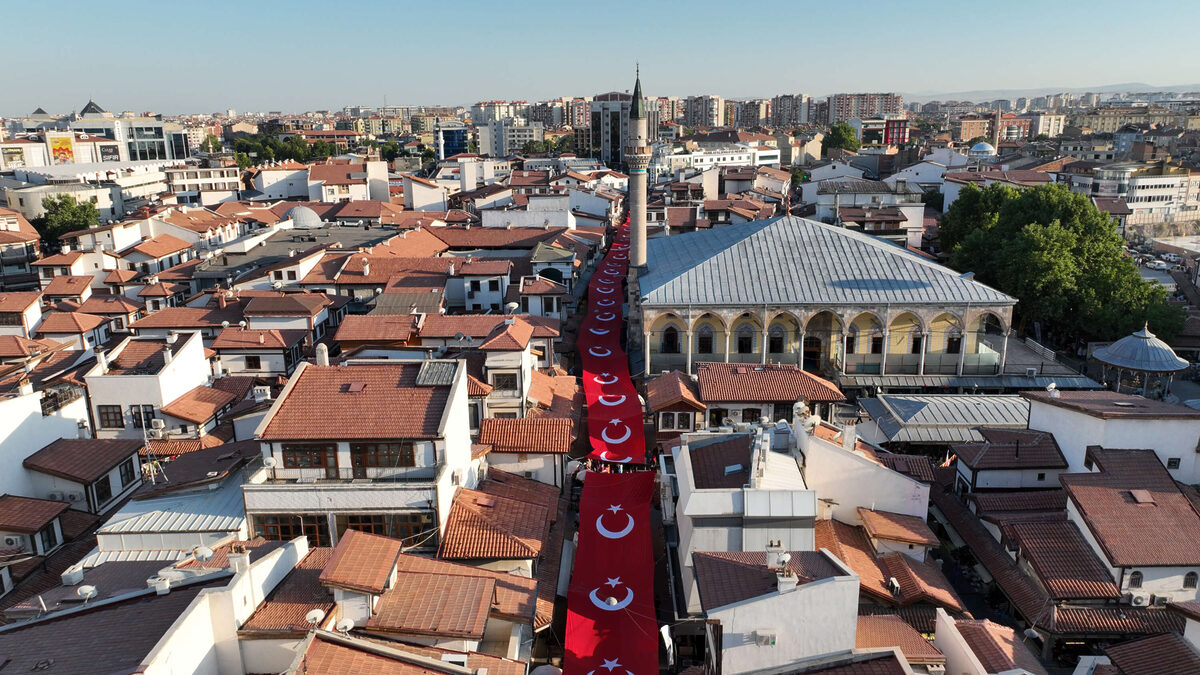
(13, 158)
(62, 150)
(109, 153)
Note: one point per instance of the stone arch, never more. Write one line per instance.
(822, 340)
(783, 335)
(865, 334)
(946, 334)
(905, 334)
(660, 336)
(708, 337)
(745, 334)
(989, 323)
(551, 273)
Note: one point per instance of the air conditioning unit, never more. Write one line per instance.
(54, 496)
(1160, 600)
(1031, 372)
(12, 541)
(74, 496)
(528, 474)
(764, 638)
(1140, 599)
(157, 424)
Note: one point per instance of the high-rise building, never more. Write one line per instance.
(848, 106)
(752, 113)
(789, 110)
(704, 111)
(451, 139)
(506, 137)
(608, 131)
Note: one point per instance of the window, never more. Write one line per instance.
(287, 527)
(297, 456)
(504, 381)
(1189, 580)
(751, 414)
(102, 489)
(475, 284)
(670, 341)
(704, 340)
(851, 343)
(48, 537)
(1173, 463)
(669, 421)
(745, 341)
(918, 341)
(953, 344)
(775, 341)
(277, 275)
(1135, 580)
(1041, 476)
(493, 284)
(291, 275)
(141, 415)
(877, 344)
(1087, 463)
(127, 472)
(382, 454)
(253, 363)
(111, 416)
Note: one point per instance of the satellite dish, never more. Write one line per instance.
(242, 323)
(87, 592)
(512, 307)
(1031, 634)
(203, 553)
(785, 558)
(315, 616)
(270, 462)
(1052, 386)
(345, 625)
(224, 324)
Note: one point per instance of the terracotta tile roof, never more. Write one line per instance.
(159, 246)
(196, 220)
(997, 647)
(508, 337)
(441, 605)
(163, 289)
(476, 237)
(190, 317)
(81, 460)
(375, 328)
(868, 664)
(362, 562)
(68, 323)
(917, 467)
(485, 526)
(67, 285)
(1167, 653)
(552, 435)
(1011, 449)
(338, 174)
(765, 383)
(108, 305)
(1111, 405)
(671, 389)
(1064, 563)
(65, 259)
(1129, 503)
(326, 402)
(712, 462)
(987, 503)
(139, 356)
(515, 598)
(292, 304)
(328, 655)
(15, 346)
(475, 660)
(484, 267)
(919, 582)
(724, 578)
(25, 515)
(897, 527)
(442, 326)
(199, 405)
(889, 630)
(18, 302)
(300, 592)
(541, 286)
(557, 395)
(249, 338)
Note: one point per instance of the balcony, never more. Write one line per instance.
(343, 490)
(863, 364)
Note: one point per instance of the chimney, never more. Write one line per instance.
(366, 267)
(72, 577)
(849, 438)
(221, 301)
(101, 359)
(239, 561)
(161, 585)
(322, 355)
(26, 386)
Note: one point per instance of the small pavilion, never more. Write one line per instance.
(1145, 359)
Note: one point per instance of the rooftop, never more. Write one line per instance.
(553, 435)
(1167, 653)
(897, 527)
(1011, 449)
(1064, 563)
(889, 630)
(485, 526)
(362, 562)
(26, 515)
(284, 609)
(724, 578)
(82, 460)
(763, 383)
(673, 388)
(723, 464)
(943, 418)
(997, 647)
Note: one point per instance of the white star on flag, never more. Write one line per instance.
(614, 508)
(611, 665)
(613, 582)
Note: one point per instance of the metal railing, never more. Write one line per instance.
(349, 475)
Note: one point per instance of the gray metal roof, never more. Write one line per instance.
(1142, 352)
(944, 418)
(437, 373)
(795, 261)
(219, 510)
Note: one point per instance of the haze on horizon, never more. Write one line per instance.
(174, 58)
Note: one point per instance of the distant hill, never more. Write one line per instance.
(978, 95)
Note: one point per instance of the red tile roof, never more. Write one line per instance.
(69, 323)
(1128, 529)
(998, 648)
(557, 395)
(897, 527)
(159, 246)
(25, 515)
(199, 405)
(15, 346)
(763, 383)
(190, 317)
(1167, 653)
(917, 467)
(673, 388)
(108, 305)
(284, 609)
(249, 338)
(724, 578)
(552, 435)
(442, 326)
(329, 655)
(1011, 449)
(292, 304)
(485, 526)
(494, 237)
(508, 337)
(362, 562)
(163, 289)
(18, 302)
(82, 460)
(889, 630)
(321, 403)
(376, 328)
(67, 285)
(1064, 563)
(515, 598)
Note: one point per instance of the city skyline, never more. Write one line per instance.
(379, 53)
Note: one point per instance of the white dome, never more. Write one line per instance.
(302, 216)
(983, 148)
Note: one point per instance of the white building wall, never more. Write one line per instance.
(541, 467)
(24, 431)
(960, 660)
(853, 481)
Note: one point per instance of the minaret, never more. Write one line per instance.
(637, 158)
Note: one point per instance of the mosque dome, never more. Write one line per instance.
(1141, 352)
(982, 149)
(302, 216)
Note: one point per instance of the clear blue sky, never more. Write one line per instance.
(176, 57)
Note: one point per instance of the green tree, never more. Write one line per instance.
(933, 198)
(1061, 258)
(841, 135)
(565, 144)
(1041, 137)
(63, 214)
(534, 148)
(978, 139)
(211, 144)
(243, 160)
(390, 150)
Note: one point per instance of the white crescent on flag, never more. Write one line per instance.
(608, 379)
(599, 351)
(603, 399)
(621, 604)
(620, 439)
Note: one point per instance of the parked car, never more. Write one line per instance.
(1171, 257)
(1157, 265)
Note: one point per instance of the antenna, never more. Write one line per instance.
(345, 625)
(87, 592)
